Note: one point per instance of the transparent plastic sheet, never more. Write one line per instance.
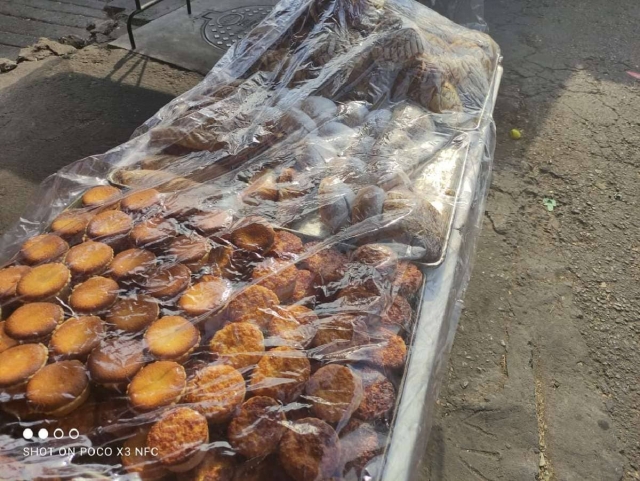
(262, 282)
(469, 13)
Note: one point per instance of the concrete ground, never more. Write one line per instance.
(542, 379)
(22, 22)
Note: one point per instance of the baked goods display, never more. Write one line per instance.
(236, 299)
(249, 354)
(279, 359)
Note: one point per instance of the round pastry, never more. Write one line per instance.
(256, 429)
(253, 234)
(192, 251)
(278, 276)
(334, 392)
(115, 361)
(179, 438)
(110, 227)
(9, 278)
(292, 326)
(154, 233)
(253, 304)
(44, 282)
(43, 248)
(408, 279)
(76, 337)
(167, 282)
(19, 363)
(379, 396)
(140, 201)
(33, 322)
(328, 264)
(357, 447)
(216, 466)
(216, 391)
(285, 245)
(206, 296)
(133, 314)
(339, 332)
(378, 256)
(304, 291)
(156, 385)
(6, 342)
(281, 374)
(131, 263)
(335, 199)
(89, 258)
(310, 450)
(94, 295)
(368, 203)
(136, 459)
(172, 338)
(387, 351)
(210, 223)
(239, 344)
(366, 297)
(59, 388)
(101, 195)
(398, 315)
(71, 224)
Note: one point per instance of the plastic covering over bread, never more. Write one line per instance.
(233, 294)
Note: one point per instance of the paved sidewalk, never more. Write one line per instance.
(22, 22)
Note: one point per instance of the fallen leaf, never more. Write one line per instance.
(550, 204)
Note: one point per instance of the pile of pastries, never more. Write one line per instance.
(328, 113)
(183, 315)
(228, 348)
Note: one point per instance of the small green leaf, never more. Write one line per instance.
(550, 204)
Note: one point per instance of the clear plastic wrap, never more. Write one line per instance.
(262, 282)
(469, 13)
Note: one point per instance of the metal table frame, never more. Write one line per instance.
(141, 8)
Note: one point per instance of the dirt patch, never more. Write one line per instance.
(552, 308)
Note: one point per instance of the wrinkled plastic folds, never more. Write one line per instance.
(469, 13)
(264, 282)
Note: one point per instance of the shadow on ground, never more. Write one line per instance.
(50, 120)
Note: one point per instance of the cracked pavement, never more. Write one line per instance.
(542, 378)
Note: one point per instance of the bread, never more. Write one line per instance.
(239, 344)
(57, 389)
(334, 392)
(157, 385)
(76, 337)
(172, 338)
(310, 450)
(280, 374)
(43, 248)
(256, 429)
(215, 391)
(178, 439)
